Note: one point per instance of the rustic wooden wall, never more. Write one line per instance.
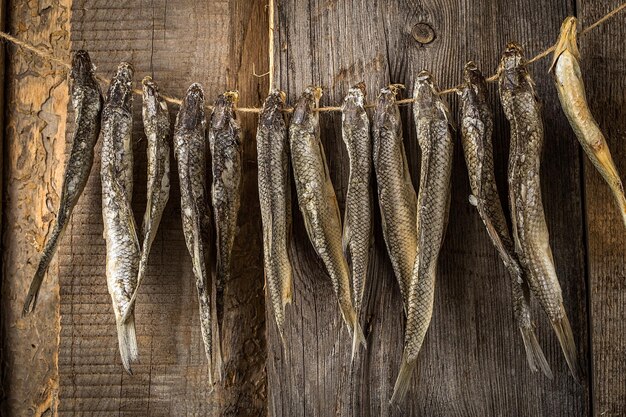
(472, 362)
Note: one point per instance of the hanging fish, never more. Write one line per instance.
(569, 84)
(120, 232)
(432, 121)
(530, 232)
(156, 124)
(275, 201)
(477, 131)
(226, 154)
(87, 105)
(190, 151)
(318, 203)
(358, 219)
(396, 195)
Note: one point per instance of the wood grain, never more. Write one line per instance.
(213, 43)
(604, 71)
(472, 362)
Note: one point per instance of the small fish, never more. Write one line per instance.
(120, 232)
(357, 226)
(530, 232)
(87, 105)
(569, 84)
(318, 203)
(396, 195)
(477, 131)
(190, 150)
(432, 121)
(226, 154)
(156, 124)
(275, 201)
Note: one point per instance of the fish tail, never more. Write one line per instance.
(564, 333)
(44, 263)
(357, 336)
(534, 353)
(218, 361)
(621, 202)
(287, 289)
(404, 379)
(127, 340)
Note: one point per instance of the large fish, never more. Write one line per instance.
(396, 195)
(190, 150)
(571, 89)
(87, 105)
(476, 135)
(530, 232)
(358, 219)
(275, 201)
(226, 155)
(432, 121)
(156, 125)
(120, 232)
(318, 203)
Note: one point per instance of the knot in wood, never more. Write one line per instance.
(423, 33)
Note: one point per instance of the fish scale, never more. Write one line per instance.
(530, 232)
(120, 231)
(396, 195)
(436, 144)
(318, 204)
(477, 130)
(357, 230)
(274, 179)
(87, 105)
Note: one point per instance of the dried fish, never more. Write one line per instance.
(226, 154)
(120, 232)
(396, 195)
(357, 227)
(432, 122)
(87, 105)
(190, 150)
(275, 201)
(477, 130)
(156, 124)
(318, 203)
(530, 232)
(571, 89)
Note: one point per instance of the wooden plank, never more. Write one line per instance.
(36, 97)
(604, 71)
(473, 361)
(213, 43)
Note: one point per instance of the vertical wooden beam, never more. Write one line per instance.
(604, 72)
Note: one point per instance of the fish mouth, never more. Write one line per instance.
(308, 101)
(512, 58)
(149, 86)
(472, 74)
(125, 71)
(194, 96)
(232, 96)
(191, 113)
(360, 86)
(425, 86)
(566, 41)
(81, 64)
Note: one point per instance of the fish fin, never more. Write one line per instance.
(127, 340)
(564, 333)
(534, 354)
(403, 381)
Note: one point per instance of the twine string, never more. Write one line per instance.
(50, 57)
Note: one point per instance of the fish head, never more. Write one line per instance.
(353, 106)
(82, 67)
(272, 108)
(566, 41)
(512, 71)
(387, 111)
(153, 102)
(308, 101)
(224, 109)
(120, 92)
(192, 113)
(425, 93)
(475, 84)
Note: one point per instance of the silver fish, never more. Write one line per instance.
(87, 105)
(156, 124)
(190, 150)
(318, 203)
(396, 195)
(120, 232)
(530, 232)
(477, 130)
(226, 155)
(432, 121)
(571, 89)
(357, 226)
(275, 201)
